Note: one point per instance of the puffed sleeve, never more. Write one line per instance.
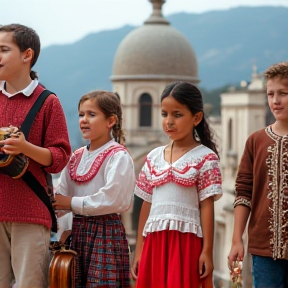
(144, 186)
(244, 179)
(209, 181)
(116, 195)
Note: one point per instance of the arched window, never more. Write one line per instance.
(145, 105)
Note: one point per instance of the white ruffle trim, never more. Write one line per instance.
(214, 190)
(171, 224)
(142, 194)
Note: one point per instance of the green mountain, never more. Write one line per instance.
(227, 44)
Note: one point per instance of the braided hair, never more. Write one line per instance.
(189, 95)
(110, 105)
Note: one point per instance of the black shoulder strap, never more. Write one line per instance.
(40, 191)
(28, 121)
(28, 177)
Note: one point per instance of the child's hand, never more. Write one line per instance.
(205, 265)
(14, 144)
(135, 263)
(236, 253)
(62, 202)
(134, 269)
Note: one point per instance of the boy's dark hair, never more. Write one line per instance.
(277, 70)
(25, 37)
(188, 94)
(109, 103)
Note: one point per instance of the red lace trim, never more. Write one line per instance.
(144, 184)
(207, 178)
(76, 158)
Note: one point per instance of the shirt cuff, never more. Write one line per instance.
(242, 201)
(77, 205)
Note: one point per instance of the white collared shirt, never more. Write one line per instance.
(26, 91)
(109, 191)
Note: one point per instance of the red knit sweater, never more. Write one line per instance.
(18, 203)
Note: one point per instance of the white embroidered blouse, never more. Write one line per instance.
(176, 190)
(100, 182)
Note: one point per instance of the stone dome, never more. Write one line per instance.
(155, 51)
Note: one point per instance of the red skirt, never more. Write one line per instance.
(170, 259)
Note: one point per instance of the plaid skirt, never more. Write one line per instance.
(102, 252)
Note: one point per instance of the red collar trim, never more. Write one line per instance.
(76, 158)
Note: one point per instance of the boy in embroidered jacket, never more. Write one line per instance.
(25, 221)
(261, 191)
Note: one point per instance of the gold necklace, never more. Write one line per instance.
(172, 144)
(186, 150)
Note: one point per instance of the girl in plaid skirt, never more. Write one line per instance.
(97, 185)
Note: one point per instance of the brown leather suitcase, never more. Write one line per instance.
(61, 272)
(62, 265)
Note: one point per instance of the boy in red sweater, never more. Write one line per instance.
(25, 221)
(261, 191)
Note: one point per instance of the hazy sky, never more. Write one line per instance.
(66, 21)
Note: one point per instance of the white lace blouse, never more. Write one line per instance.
(176, 190)
(100, 182)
